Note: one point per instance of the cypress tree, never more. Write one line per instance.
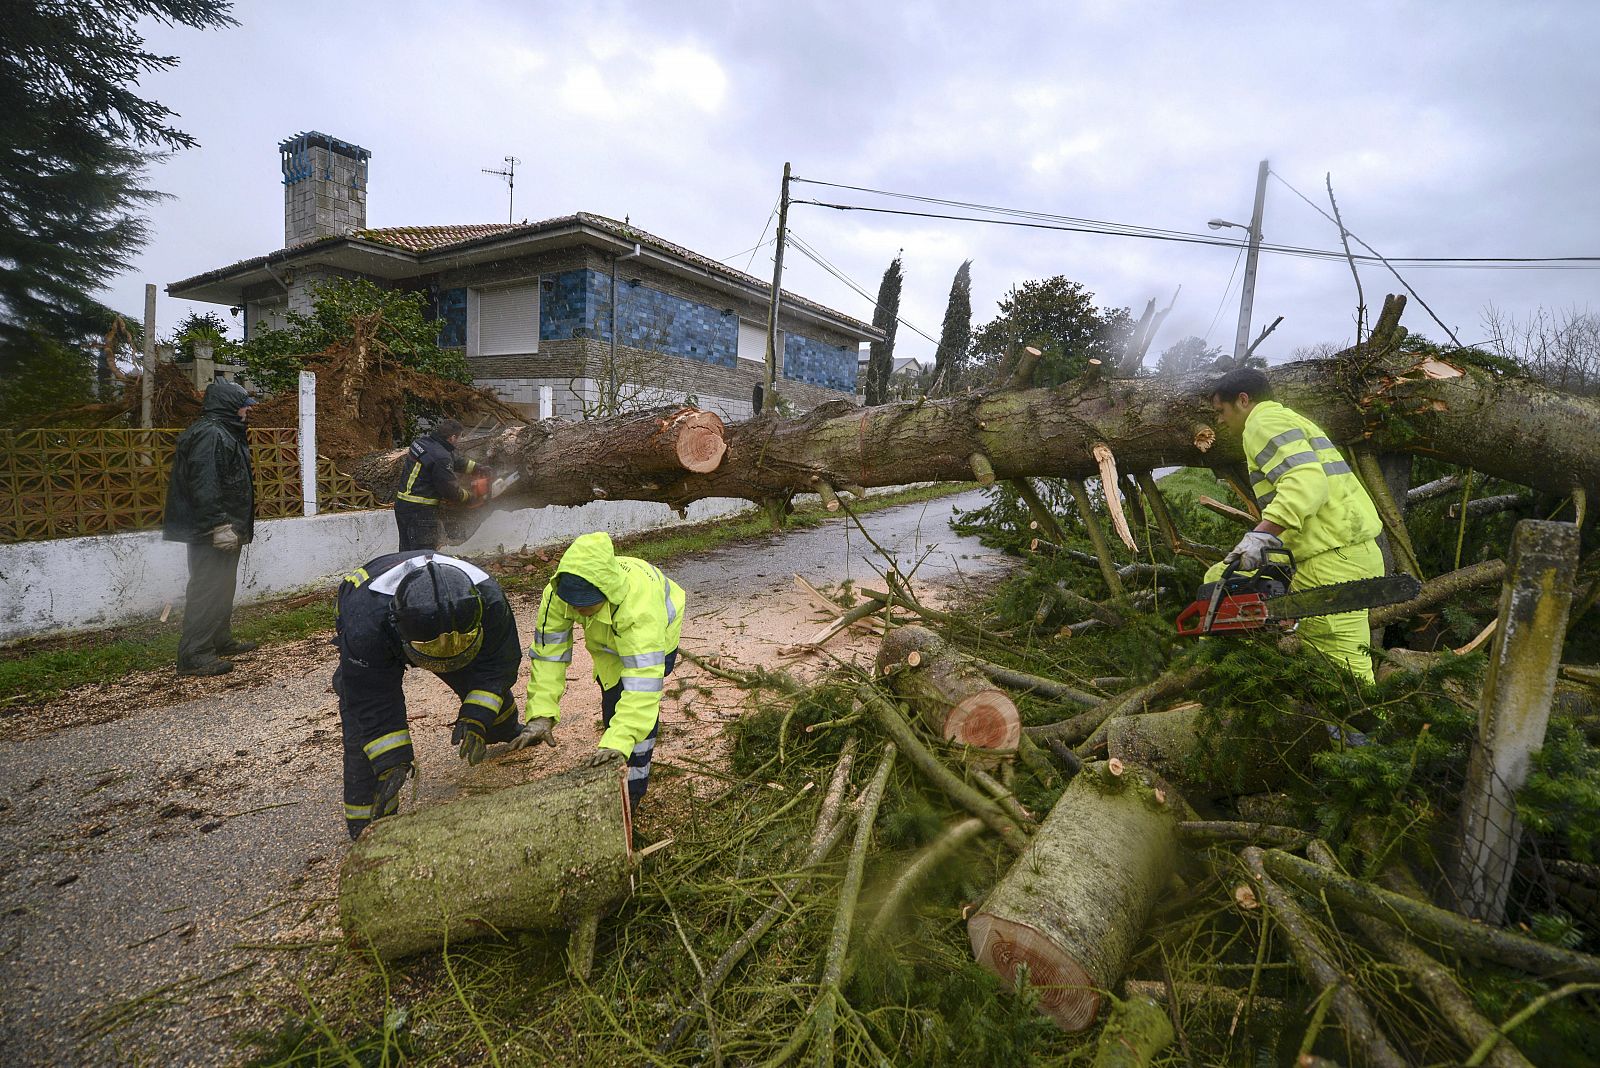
(956, 335)
(880, 359)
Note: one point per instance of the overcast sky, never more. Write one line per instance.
(1450, 129)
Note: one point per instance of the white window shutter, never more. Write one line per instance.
(753, 341)
(508, 320)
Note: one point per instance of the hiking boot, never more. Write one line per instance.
(206, 668)
(237, 646)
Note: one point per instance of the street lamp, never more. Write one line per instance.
(1247, 295)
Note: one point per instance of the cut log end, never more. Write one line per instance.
(985, 720)
(701, 448)
(1066, 992)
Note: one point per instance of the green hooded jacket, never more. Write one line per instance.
(629, 637)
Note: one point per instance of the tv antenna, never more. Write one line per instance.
(509, 173)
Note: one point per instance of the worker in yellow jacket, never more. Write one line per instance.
(1311, 503)
(632, 616)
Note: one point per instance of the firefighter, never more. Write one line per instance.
(631, 616)
(427, 480)
(1311, 503)
(418, 609)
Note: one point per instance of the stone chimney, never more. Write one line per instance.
(324, 187)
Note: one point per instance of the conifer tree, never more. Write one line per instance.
(880, 359)
(956, 335)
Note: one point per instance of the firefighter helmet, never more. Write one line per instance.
(439, 615)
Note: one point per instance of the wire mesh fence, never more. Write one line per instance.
(64, 483)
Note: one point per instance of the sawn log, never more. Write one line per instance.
(953, 697)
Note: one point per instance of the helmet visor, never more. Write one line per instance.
(450, 651)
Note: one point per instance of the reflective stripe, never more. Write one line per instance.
(644, 747)
(392, 807)
(412, 498)
(635, 774)
(552, 637)
(666, 593)
(411, 481)
(564, 658)
(471, 467)
(605, 649)
(357, 577)
(1338, 467)
(357, 812)
(1264, 499)
(644, 685)
(1292, 434)
(484, 698)
(1321, 443)
(391, 741)
(1299, 459)
(638, 660)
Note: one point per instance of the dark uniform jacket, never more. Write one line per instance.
(429, 474)
(212, 482)
(372, 661)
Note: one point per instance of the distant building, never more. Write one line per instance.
(532, 304)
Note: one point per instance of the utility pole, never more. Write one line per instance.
(147, 380)
(509, 173)
(1247, 298)
(769, 394)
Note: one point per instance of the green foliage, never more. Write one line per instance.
(949, 359)
(276, 357)
(1189, 355)
(1562, 795)
(40, 375)
(209, 328)
(886, 317)
(78, 137)
(1057, 316)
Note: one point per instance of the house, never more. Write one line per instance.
(606, 315)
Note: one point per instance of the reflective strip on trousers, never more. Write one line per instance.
(484, 699)
(644, 685)
(357, 812)
(564, 658)
(381, 745)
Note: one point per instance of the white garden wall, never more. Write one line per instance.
(51, 587)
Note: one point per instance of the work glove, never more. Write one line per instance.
(389, 784)
(225, 538)
(541, 729)
(469, 737)
(1251, 552)
(603, 757)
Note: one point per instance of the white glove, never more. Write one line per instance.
(1251, 552)
(539, 729)
(225, 538)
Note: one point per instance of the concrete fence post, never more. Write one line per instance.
(308, 442)
(1514, 710)
(547, 402)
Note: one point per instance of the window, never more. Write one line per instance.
(263, 315)
(505, 320)
(753, 341)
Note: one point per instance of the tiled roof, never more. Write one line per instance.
(429, 238)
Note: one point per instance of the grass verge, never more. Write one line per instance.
(32, 672)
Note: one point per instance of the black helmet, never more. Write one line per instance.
(439, 615)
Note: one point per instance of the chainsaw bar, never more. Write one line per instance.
(1343, 597)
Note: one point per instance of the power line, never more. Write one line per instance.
(821, 261)
(1225, 291)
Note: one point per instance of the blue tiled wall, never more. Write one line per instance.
(566, 305)
(650, 319)
(819, 364)
(450, 310)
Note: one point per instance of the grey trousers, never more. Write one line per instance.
(208, 604)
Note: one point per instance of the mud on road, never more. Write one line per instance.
(168, 855)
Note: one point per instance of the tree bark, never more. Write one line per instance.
(456, 872)
(1074, 904)
(1225, 761)
(949, 692)
(1439, 589)
(1136, 1030)
(1507, 427)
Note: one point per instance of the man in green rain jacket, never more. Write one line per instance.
(1312, 504)
(632, 616)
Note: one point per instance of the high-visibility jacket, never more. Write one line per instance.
(1304, 484)
(629, 637)
(428, 475)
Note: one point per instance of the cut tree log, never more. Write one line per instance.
(1439, 589)
(1136, 1030)
(953, 697)
(1401, 402)
(1022, 680)
(1503, 502)
(1223, 761)
(457, 872)
(1074, 904)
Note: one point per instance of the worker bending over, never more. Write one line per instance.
(1311, 503)
(418, 609)
(632, 616)
(427, 480)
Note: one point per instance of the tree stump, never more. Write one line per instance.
(1075, 902)
(951, 694)
(542, 855)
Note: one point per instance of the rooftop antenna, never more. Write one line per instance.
(509, 173)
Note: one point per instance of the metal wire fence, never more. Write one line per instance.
(65, 483)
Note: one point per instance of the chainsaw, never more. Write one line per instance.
(1241, 602)
(484, 489)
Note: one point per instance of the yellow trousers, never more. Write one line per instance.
(1343, 638)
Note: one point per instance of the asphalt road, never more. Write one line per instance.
(145, 861)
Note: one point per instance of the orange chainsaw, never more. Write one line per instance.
(1239, 601)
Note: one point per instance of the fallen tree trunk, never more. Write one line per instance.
(1483, 506)
(1136, 1030)
(949, 692)
(1439, 589)
(453, 873)
(1074, 904)
(1506, 427)
(1220, 762)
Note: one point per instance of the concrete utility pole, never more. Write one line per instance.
(308, 443)
(147, 379)
(769, 393)
(1514, 710)
(1247, 298)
